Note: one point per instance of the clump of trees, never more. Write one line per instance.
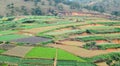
(90, 45)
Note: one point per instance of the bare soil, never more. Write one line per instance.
(116, 41)
(72, 43)
(19, 51)
(101, 41)
(101, 64)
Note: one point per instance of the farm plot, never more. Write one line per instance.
(83, 52)
(7, 46)
(72, 43)
(19, 51)
(50, 53)
(43, 29)
(31, 40)
(11, 37)
(63, 55)
(63, 29)
(7, 32)
(41, 52)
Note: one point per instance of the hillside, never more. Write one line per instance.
(35, 7)
(108, 6)
(52, 7)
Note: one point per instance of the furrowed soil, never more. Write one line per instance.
(19, 51)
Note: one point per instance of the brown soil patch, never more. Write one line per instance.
(72, 43)
(113, 49)
(19, 51)
(101, 41)
(116, 41)
(81, 51)
(101, 64)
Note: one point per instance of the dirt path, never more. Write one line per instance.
(19, 51)
(55, 60)
(81, 51)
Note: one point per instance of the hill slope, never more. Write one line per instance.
(51, 7)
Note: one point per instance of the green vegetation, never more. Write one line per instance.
(108, 46)
(7, 32)
(63, 55)
(90, 38)
(104, 31)
(61, 31)
(48, 53)
(102, 57)
(109, 23)
(74, 63)
(11, 37)
(1, 51)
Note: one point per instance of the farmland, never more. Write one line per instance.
(67, 41)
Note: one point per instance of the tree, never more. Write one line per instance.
(24, 10)
(90, 45)
(117, 13)
(36, 11)
(60, 7)
(74, 5)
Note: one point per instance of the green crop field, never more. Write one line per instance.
(11, 37)
(63, 55)
(41, 52)
(50, 53)
(7, 32)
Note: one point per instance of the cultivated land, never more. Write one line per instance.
(52, 40)
(19, 51)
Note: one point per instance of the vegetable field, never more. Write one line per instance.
(51, 40)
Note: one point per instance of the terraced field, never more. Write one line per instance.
(51, 40)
